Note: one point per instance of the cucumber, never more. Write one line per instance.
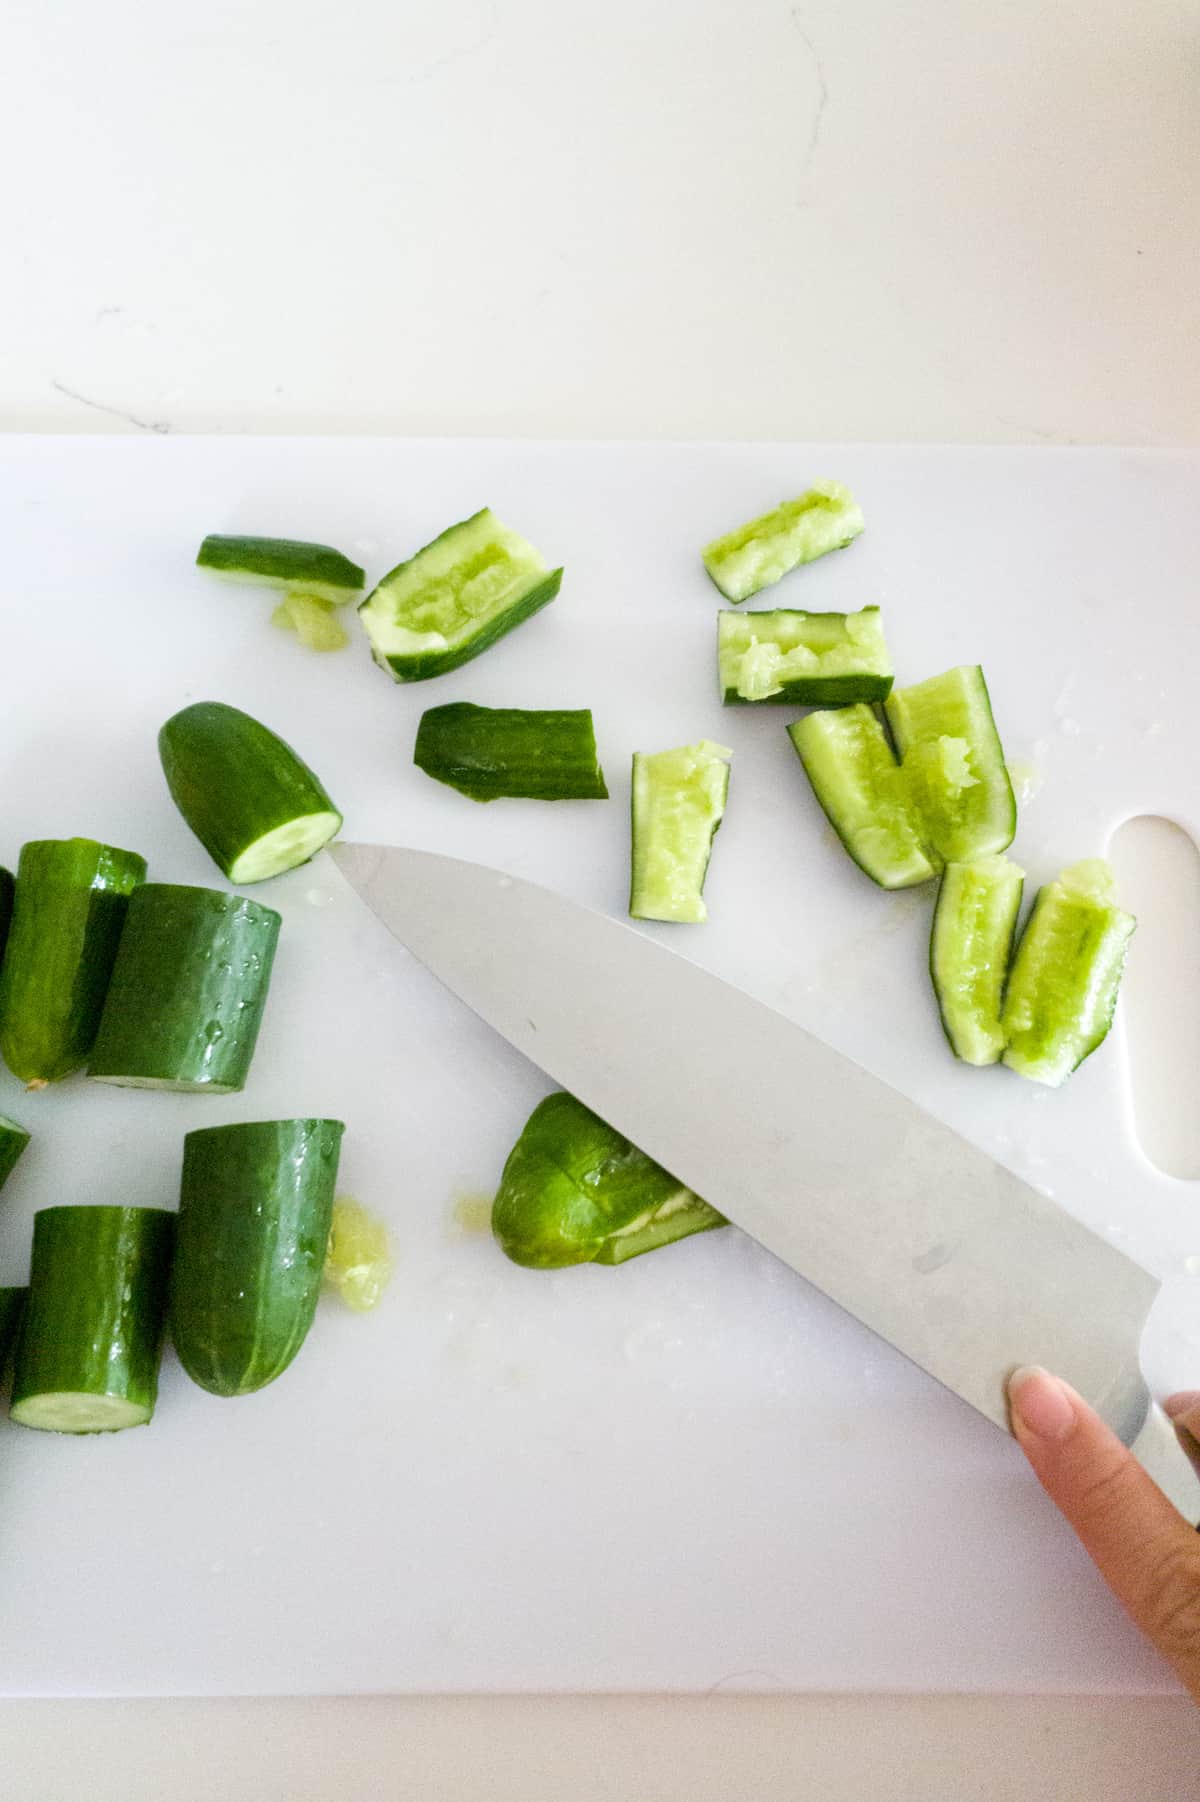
(188, 991)
(974, 925)
(70, 907)
(12, 1307)
(487, 752)
(455, 598)
(13, 1140)
(810, 659)
(825, 518)
(291, 564)
(7, 893)
(88, 1354)
(255, 1208)
(678, 802)
(254, 805)
(358, 1258)
(314, 621)
(865, 793)
(1062, 989)
(951, 752)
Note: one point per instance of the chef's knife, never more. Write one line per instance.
(958, 1263)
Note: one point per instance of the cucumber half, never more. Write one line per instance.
(456, 597)
(290, 564)
(825, 518)
(488, 752)
(974, 925)
(865, 794)
(952, 755)
(678, 802)
(810, 659)
(255, 806)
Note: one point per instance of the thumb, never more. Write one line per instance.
(1144, 1549)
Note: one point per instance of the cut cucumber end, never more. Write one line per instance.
(73, 1412)
(284, 848)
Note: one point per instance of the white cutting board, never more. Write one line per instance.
(693, 1472)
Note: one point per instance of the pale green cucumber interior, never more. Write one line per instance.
(440, 598)
(284, 847)
(951, 751)
(1063, 988)
(678, 799)
(760, 653)
(864, 793)
(972, 938)
(297, 582)
(752, 556)
(70, 1411)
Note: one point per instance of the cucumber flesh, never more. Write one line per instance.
(13, 1140)
(951, 752)
(88, 1353)
(865, 794)
(1062, 990)
(488, 752)
(314, 621)
(454, 598)
(825, 518)
(283, 563)
(358, 1260)
(810, 659)
(974, 925)
(678, 802)
(255, 806)
(188, 991)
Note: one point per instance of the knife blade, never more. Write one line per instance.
(961, 1265)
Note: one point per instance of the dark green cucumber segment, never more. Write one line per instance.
(488, 752)
(70, 907)
(951, 752)
(188, 991)
(864, 793)
(13, 1140)
(574, 1191)
(974, 925)
(88, 1354)
(255, 806)
(456, 597)
(283, 563)
(1062, 989)
(8, 889)
(678, 802)
(254, 1214)
(825, 518)
(12, 1307)
(809, 659)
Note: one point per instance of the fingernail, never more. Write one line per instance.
(1180, 1406)
(1041, 1403)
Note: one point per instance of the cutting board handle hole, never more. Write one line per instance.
(1157, 866)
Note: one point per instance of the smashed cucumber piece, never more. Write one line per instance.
(864, 793)
(951, 753)
(575, 1191)
(290, 564)
(810, 659)
(358, 1263)
(974, 925)
(824, 518)
(678, 802)
(314, 621)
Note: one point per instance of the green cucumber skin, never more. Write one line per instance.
(233, 779)
(12, 1307)
(256, 1202)
(275, 561)
(13, 1140)
(71, 899)
(919, 867)
(188, 989)
(420, 666)
(97, 1300)
(819, 691)
(8, 888)
(487, 753)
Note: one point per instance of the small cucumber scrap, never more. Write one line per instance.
(13, 1140)
(12, 1307)
(824, 518)
(575, 1191)
(810, 659)
(952, 755)
(358, 1260)
(487, 752)
(8, 889)
(255, 1208)
(865, 794)
(188, 991)
(678, 803)
(974, 925)
(314, 621)
(70, 907)
(455, 598)
(290, 564)
(257, 809)
(88, 1353)
(1062, 989)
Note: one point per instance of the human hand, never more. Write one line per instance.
(1147, 1553)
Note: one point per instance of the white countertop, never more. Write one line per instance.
(919, 221)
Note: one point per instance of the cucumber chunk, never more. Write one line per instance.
(456, 597)
(678, 802)
(864, 793)
(13, 1140)
(314, 621)
(283, 563)
(974, 925)
(825, 518)
(952, 755)
(12, 1307)
(488, 752)
(810, 659)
